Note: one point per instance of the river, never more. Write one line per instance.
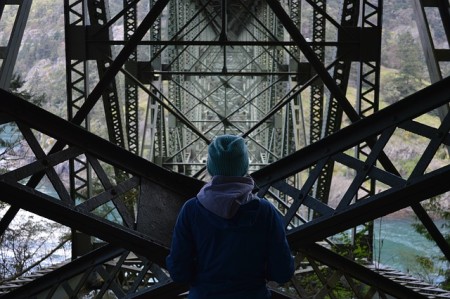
(397, 244)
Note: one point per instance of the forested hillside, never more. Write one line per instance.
(41, 62)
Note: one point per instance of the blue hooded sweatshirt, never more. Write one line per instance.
(227, 243)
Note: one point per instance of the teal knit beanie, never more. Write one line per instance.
(227, 155)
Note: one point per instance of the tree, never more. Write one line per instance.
(411, 69)
(29, 240)
(24, 246)
(435, 205)
(412, 62)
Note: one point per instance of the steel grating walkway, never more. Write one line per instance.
(411, 282)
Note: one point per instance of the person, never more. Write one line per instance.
(227, 243)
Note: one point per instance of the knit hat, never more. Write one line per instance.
(227, 155)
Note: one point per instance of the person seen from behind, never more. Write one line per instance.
(227, 243)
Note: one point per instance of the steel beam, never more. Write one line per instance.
(317, 90)
(162, 186)
(362, 273)
(377, 206)
(330, 147)
(401, 194)
(432, 57)
(312, 58)
(150, 175)
(341, 74)
(9, 54)
(66, 272)
(69, 133)
(409, 108)
(131, 88)
(120, 60)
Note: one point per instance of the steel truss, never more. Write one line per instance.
(398, 194)
(148, 242)
(219, 67)
(105, 215)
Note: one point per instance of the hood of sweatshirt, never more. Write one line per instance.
(224, 195)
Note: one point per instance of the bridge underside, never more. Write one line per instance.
(180, 72)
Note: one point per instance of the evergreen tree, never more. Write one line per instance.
(412, 63)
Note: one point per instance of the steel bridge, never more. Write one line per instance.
(298, 79)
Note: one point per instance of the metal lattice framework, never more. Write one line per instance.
(181, 72)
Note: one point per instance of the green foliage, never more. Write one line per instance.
(425, 262)
(446, 283)
(355, 246)
(407, 166)
(311, 283)
(409, 61)
(411, 66)
(435, 263)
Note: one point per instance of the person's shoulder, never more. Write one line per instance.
(190, 203)
(266, 205)
(269, 212)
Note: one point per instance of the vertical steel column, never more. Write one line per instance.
(297, 134)
(152, 139)
(317, 88)
(262, 102)
(298, 127)
(333, 115)
(77, 91)
(172, 129)
(369, 79)
(187, 138)
(280, 125)
(131, 89)
(368, 96)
